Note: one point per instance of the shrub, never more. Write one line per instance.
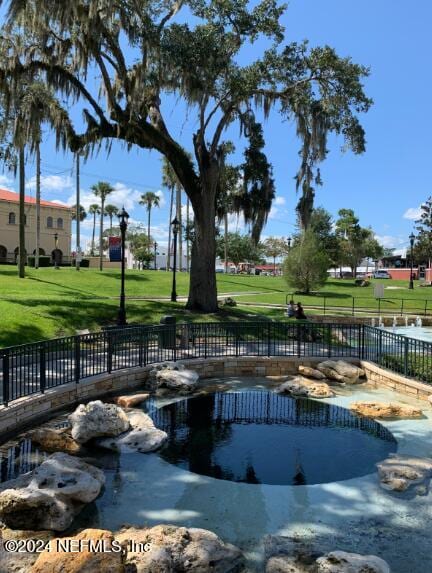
(44, 261)
(306, 266)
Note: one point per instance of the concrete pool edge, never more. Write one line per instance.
(24, 412)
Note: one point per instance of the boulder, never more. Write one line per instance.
(400, 472)
(311, 372)
(341, 371)
(144, 436)
(56, 440)
(300, 386)
(93, 550)
(97, 419)
(131, 400)
(180, 549)
(383, 410)
(332, 562)
(50, 496)
(343, 562)
(173, 376)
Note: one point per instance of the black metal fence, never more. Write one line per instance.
(34, 368)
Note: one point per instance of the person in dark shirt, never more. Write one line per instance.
(291, 309)
(299, 314)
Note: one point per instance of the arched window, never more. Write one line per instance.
(49, 222)
(12, 219)
(60, 223)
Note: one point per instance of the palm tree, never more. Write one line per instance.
(94, 210)
(82, 213)
(149, 200)
(102, 189)
(111, 211)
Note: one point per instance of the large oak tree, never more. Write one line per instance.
(145, 51)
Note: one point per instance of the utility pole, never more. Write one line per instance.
(38, 200)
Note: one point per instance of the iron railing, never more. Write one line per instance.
(34, 368)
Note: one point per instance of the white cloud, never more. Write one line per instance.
(161, 196)
(279, 200)
(121, 196)
(59, 202)
(273, 213)
(412, 213)
(6, 182)
(390, 241)
(52, 182)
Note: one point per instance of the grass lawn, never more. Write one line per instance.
(49, 303)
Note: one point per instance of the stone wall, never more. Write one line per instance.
(24, 412)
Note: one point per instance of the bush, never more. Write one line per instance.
(44, 261)
(84, 264)
(305, 268)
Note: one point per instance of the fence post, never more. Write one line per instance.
(109, 351)
(299, 327)
(362, 341)
(205, 340)
(353, 306)
(406, 343)
(330, 340)
(140, 347)
(268, 340)
(379, 346)
(77, 350)
(42, 369)
(5, 379)
(236, 340)
(402, 307)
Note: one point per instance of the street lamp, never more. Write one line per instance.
(411, 282)
(289, 243)
(175, 227)
(155, 253)
(123, 218)
(56, 252)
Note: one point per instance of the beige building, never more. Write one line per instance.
(55, 228)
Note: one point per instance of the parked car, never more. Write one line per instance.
(381, 275)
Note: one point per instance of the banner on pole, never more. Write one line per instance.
(114, 249)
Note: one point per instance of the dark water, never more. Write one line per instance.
(262, 437)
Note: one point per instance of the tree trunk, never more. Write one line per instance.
(22, 252)
(101, 234)
(93, 234)
(202, 289)
(226, 242)
(78, 215)
(187, 235)
(180, 235)
(169, 230)
(38, 199)
(148, 225)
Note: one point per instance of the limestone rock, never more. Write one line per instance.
(53, 440)
(343, 562)
(383, 410)
(144, 437)
(97, 419)
(286, 564)
(173, 376)
(131, 400)
(180, 549)
(311, 372)
(300, 386)
(341, 371)
(399, 472)
(84, 560)
(50, 496)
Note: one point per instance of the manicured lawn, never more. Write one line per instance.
(49, 303)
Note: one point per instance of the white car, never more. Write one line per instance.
(381, 275)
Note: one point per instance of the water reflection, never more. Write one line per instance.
(262, 437)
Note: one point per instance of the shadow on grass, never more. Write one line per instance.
(20, 334)
(64, 287)
(257, 287)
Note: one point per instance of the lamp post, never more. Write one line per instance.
(175, 227)
(155, 253)
(411, 282)
(289, 243)
(56, 252)
(123, 218)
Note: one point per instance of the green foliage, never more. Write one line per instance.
(240, 249)
(423, 245)
(305, 268)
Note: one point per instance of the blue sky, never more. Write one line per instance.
(385, 186)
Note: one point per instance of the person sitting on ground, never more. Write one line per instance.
(299, 313)
(291, 310)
